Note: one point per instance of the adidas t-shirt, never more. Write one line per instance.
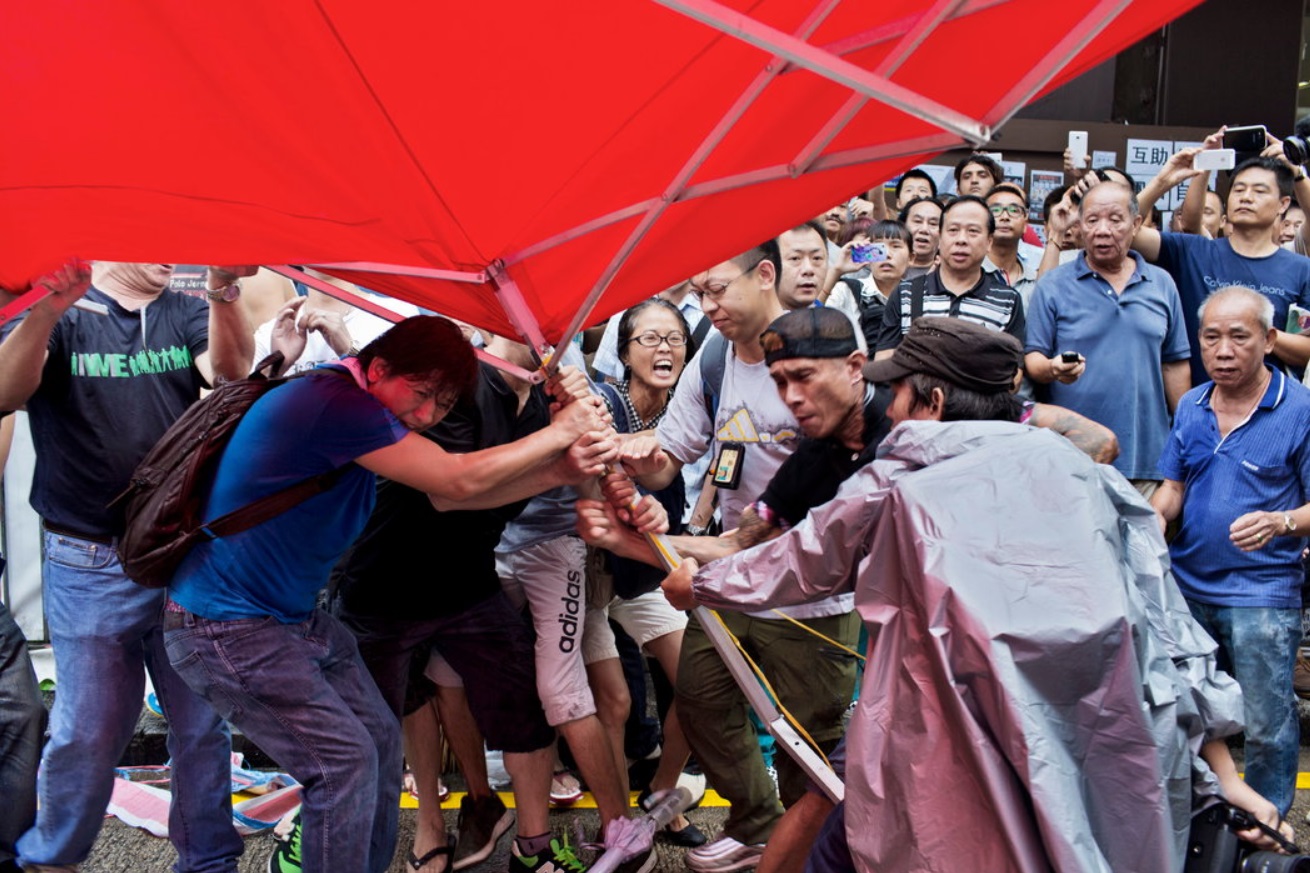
(751, 414)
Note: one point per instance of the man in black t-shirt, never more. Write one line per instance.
(101, 384)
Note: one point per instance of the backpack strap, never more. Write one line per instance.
(272, 505)
(713, 362)
(618, 410)
(698, 334)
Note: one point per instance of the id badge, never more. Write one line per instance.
(728, 466)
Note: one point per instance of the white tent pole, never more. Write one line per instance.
(521, 316)
(372, 306)
(836, 69)
(1064, 51)
(673, 191)
(896, 29)
(398, 270)
(910, 40)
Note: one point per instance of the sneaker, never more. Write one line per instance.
(565, 788)
(560, 859)
(724, 854)
(482, 823)
(286, 853)
(1301, 677)
(152, 704)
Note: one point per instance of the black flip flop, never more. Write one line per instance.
(448, 850)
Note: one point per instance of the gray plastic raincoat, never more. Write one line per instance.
(1036, 691)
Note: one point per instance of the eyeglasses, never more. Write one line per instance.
(651, 340)
(1012, 208)
(714, 292)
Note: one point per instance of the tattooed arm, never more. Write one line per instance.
(1097, 441)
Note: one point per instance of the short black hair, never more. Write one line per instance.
(1053, 199)
(904, 215)
(993, 168)
(427, 349)
(1009, 188)
(972, 198)
(1282, 173)
(890, 230)
(963, 404)
(916, 173)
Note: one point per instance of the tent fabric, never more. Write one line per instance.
(468, 136)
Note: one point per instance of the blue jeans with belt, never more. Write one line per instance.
(1258, 646)
(104, 629)
(302, 694)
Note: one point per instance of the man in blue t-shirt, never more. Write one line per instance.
(1237, 468)
(241, 626)
(100, 388)
(1259, 194)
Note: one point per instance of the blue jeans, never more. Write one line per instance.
(22, 728)
(104, 628)
(1258, 646)
(301, 692)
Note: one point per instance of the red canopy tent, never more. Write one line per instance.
(554, 154)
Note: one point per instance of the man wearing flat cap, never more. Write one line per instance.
(1019, 610)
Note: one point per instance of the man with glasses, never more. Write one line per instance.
(1120, 322)
(959, 288)
(747, 431)
(1015, 260)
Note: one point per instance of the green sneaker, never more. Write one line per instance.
(560, 859)
(286, 853)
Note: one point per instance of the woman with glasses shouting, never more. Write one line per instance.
(652, 345)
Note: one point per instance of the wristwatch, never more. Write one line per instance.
(225, 294)
(1288, 524)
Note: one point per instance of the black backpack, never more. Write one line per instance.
(165, 497)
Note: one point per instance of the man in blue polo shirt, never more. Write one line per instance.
(1123, 318)
(1238, 468)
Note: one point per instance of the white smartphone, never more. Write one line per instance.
(1078, 148)
(1215, 159)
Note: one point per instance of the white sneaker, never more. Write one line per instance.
(723, 855)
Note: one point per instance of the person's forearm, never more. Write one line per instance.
(1177, 380)
(1050, 258)
(529, 483)
(829, 282)
(1151, 192)
(1292, 348)
(1039, 368)
(1189, 214)
(22, 358)
(231, 341)
(1168, 499)
(1095, 440)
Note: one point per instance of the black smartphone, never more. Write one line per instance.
(1070, 357)
(1248, 140)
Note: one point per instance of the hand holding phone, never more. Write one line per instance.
(1078, 149)
(1215, 159)
(1070, 357)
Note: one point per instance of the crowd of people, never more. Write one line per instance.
(906, 439)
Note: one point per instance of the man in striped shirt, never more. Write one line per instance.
(959, 288)
(1237, 468)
